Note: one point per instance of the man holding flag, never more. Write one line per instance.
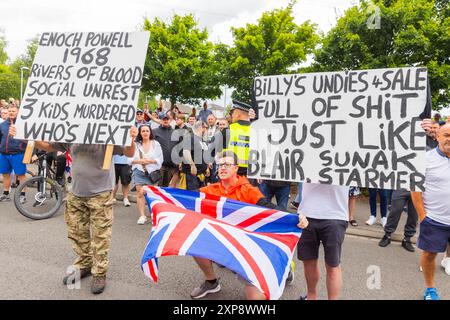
(238, 188)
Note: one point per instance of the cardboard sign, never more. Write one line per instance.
(354, 128)
(83, 88)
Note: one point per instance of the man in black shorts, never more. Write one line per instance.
(326, 208)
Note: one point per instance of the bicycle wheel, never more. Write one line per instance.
(43, 196)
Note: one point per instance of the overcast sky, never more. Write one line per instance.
(21, 20)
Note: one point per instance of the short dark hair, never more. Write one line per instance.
(227, 154)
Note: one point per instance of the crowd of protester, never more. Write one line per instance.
(194, 174)
(172, 149)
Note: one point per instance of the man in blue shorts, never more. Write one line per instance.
(433, 208)
(11, 155)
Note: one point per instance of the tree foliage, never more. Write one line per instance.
(146, 96)
(410, 33)
(26, 59)
(3, 44)
(180, 64)
(274, 45)
(9, 83)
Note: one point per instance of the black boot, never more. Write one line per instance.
(385, 241)
(406, 243)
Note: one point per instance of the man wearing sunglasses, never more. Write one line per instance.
(236, 187)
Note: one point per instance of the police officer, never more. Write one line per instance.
(236, 137)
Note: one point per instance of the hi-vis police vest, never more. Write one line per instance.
(239, 142)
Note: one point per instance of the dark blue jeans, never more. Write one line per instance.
(298, 197)
(281, 194)
(383, 201)
(389, 192)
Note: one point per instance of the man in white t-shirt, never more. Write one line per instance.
(326, 208)
(433, 208)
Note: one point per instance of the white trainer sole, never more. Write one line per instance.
(216, 289)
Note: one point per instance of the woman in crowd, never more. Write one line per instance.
(373, 192)
(223, 124)
(148, 158)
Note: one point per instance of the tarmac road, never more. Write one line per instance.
(34, 256)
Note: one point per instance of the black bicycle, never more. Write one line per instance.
(43, 194)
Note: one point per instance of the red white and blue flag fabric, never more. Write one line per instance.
(253, 241)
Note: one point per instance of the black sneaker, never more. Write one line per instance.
(406, 243)
(303, 298)
(385, 241)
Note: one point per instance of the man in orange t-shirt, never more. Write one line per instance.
(238, 188)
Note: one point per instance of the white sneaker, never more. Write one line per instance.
(126, 202)
(371, 220)
(383, 221)
(445, 263)
(142, 220)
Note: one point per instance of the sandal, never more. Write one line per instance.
(353, 223)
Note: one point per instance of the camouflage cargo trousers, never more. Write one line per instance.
(89, 224)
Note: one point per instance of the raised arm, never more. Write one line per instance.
(129, 151)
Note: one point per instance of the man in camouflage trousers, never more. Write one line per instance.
(88, 216)
(83, 215)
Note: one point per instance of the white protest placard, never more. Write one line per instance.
(353, 128)
(83, 88)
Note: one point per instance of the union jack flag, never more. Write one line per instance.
(68, 167)
(253, 241)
